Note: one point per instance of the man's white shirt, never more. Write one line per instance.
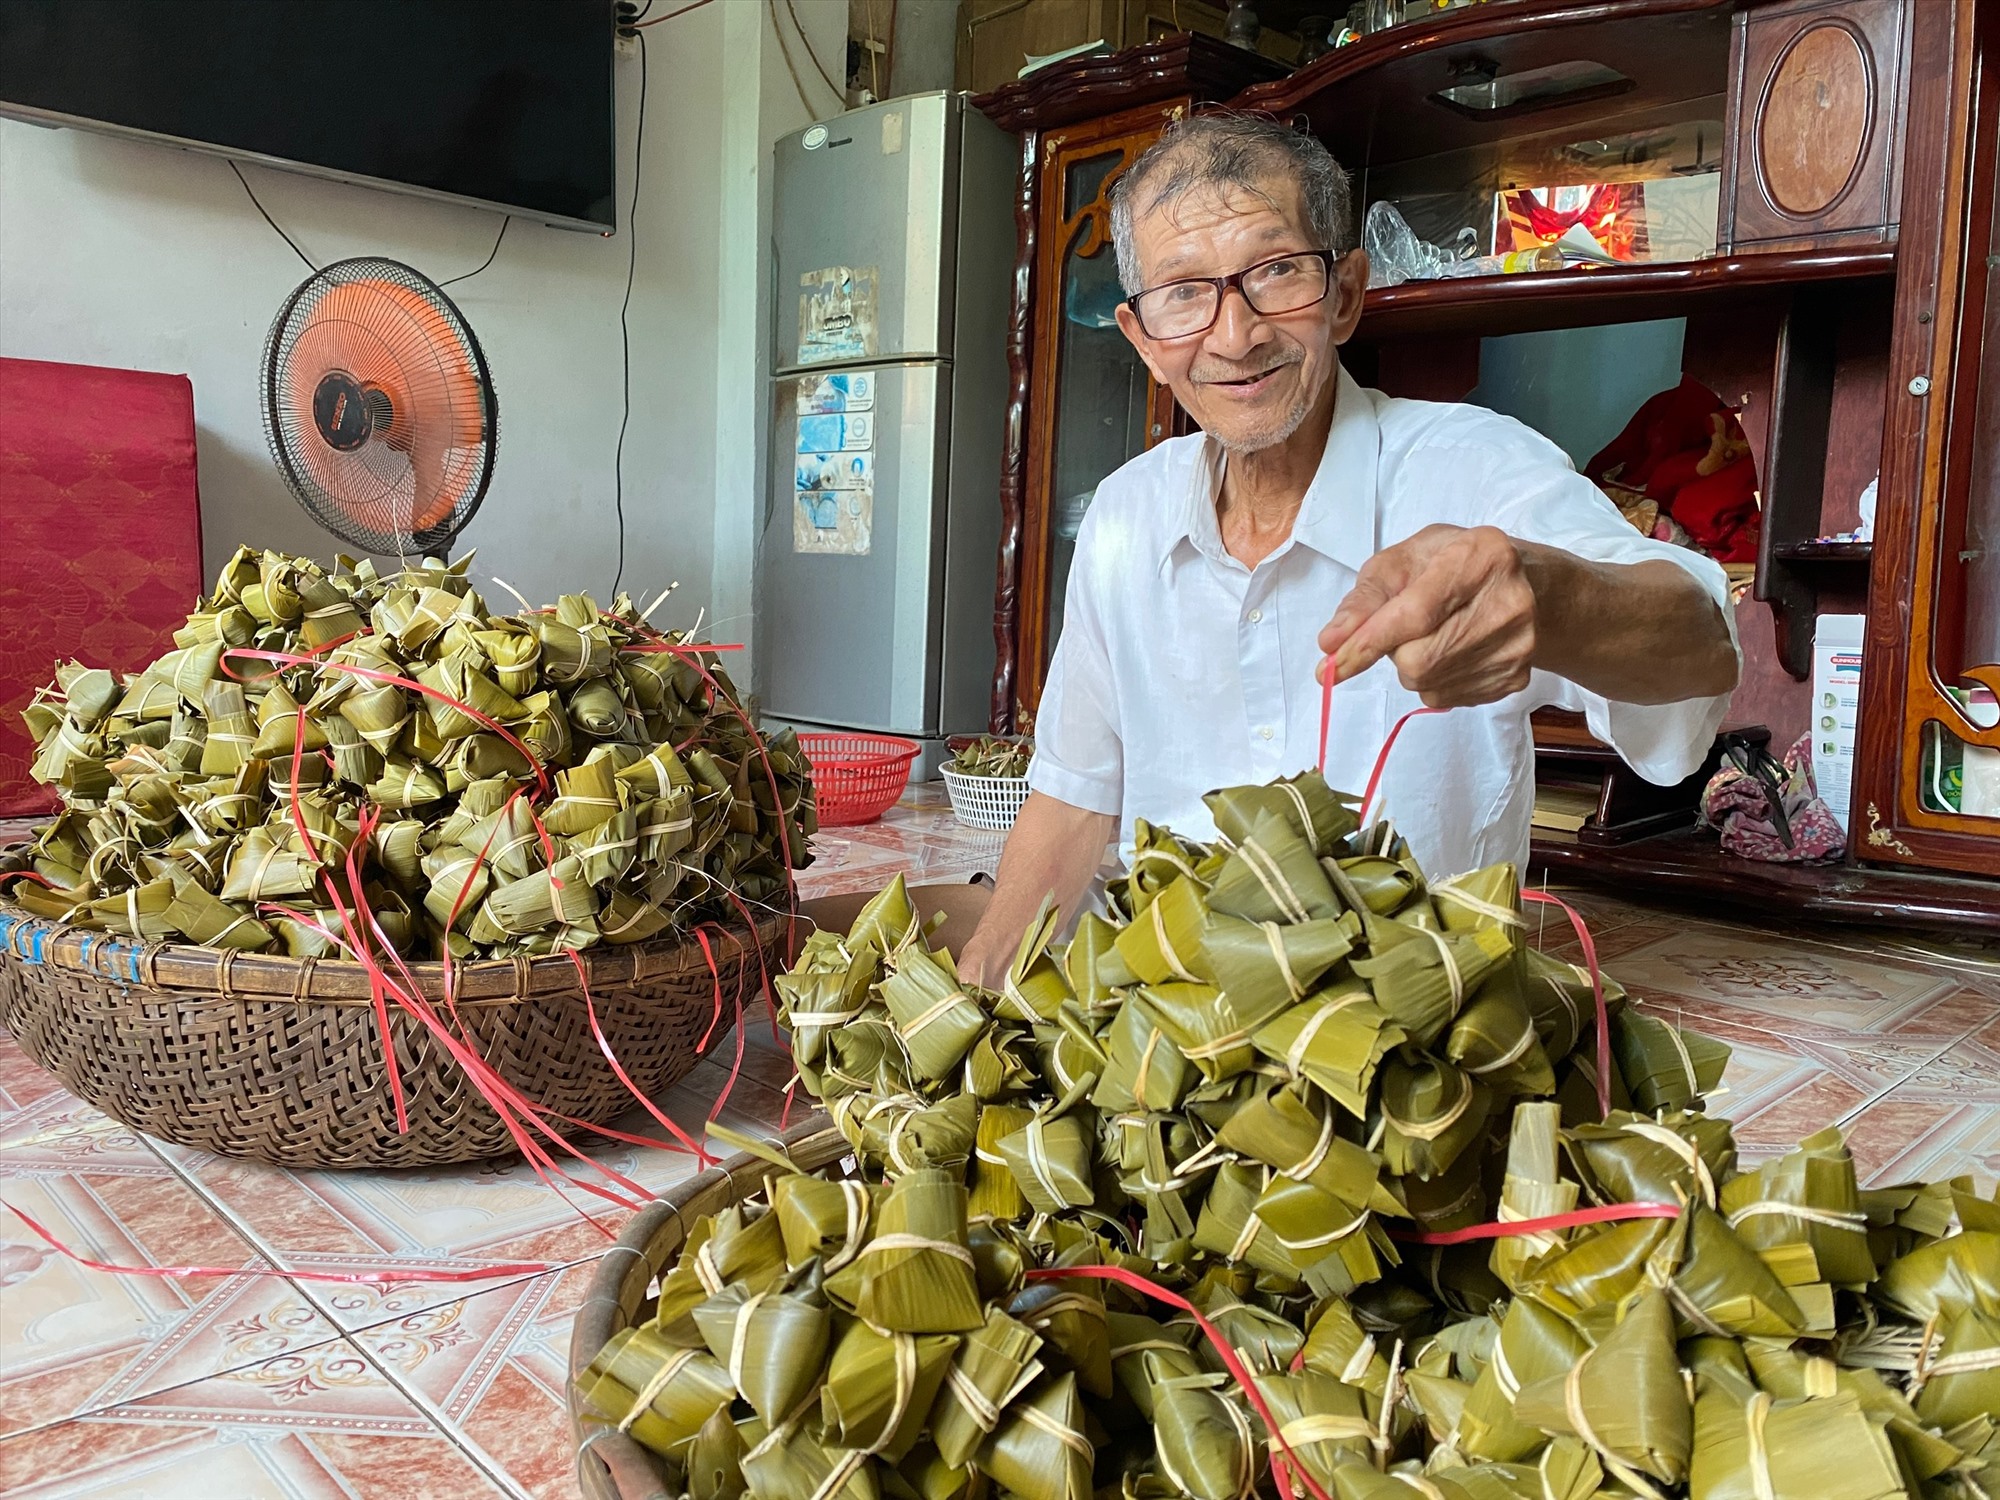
(1179, 670)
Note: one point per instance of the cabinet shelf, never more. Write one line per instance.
(1843, 553)
(1535, 300)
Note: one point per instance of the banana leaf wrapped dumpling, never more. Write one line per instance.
(915, 1274)
(935, 1017)
(1626, 1398)
(1206, 1443)
(1337, 1038)
(1050, 1158)
(1430, 1113)
(1272, 875)
(1039, 1450)
(880, 1387)
(1752, 1448)
(659, 1393)
(773, 1345)
(1422, 978)
(1807, 1196)
(1317, 813)
(1961, 1379)
(1664, 1066)
(994, 1364)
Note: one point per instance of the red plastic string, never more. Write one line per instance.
(701, 1154)
(1506, 1229)
(1382, 758)
(31, 875)
(390, 679)
(1583, 938)
(1132, 1281)
(1328, 676)
(346, 1278)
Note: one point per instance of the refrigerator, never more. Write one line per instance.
(893, 258)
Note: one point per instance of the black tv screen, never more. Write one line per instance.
(506, 102)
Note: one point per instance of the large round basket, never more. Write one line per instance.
(610, 1465)
(281, 1059)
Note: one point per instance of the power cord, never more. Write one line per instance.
(271, 221)
(265, 215)
(467, 276)
(624, 308)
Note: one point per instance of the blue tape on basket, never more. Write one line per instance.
(132, 958)
(89, 942)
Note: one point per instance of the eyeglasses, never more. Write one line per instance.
(1282, 284)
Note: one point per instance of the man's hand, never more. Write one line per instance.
(1467, 613)
(1053, 851)
(1452, 607)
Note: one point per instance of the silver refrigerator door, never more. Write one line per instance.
(851, 560)
(865, 221)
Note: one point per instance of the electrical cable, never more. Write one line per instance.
(489, 259)
(271, 221)
(624, 308)
(825, 77)
(697, 5)
(785, 51)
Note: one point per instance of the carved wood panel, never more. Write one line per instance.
(1936, 449)
(1818, 93)
(1084, 230)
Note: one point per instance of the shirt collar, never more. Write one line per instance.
(1337, 518)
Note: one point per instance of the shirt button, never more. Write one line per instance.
(1266, 732)
(1255, 616)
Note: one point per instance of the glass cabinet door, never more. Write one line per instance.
(1102, 388)
(1093, 405)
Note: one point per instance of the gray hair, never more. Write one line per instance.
(1225, 150)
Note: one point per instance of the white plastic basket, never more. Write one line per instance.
(985, 801)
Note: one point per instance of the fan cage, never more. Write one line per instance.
(393, 332)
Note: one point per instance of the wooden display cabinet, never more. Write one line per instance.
(1080, 400)
(1931, 658)
(1845, 315)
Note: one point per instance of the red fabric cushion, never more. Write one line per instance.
(100, 533)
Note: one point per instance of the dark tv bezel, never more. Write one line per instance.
(49, 119)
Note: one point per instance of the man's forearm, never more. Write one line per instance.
(1635, 632)
(1053, 851)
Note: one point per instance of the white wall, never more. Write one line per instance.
(146, 257)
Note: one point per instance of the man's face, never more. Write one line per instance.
(1252, 378)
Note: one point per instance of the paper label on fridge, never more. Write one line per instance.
(837, 391)
(836, 314)
(827, 432)
(836, 522)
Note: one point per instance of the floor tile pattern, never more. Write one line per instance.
(257, 1384)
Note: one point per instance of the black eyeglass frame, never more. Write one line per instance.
(1223, 285)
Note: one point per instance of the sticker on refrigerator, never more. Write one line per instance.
(843, 391)
(836, 522)
(827, 432)
(836, 314)
(835, 471)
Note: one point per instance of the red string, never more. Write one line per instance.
(604, 1045)
(390, 679)
(346, 1278)
(1507, 1228)
(1382, 758)
(1589, 947)
(1231, 1361)
(1327, 678)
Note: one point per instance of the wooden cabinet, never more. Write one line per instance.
(1818, 91)
(1080, 402)
(1092, 403)
(996, 36)
(1848, 316)
(1926, 791)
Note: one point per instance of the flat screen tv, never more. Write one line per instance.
(507, 103)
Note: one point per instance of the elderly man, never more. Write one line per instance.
(1419, 552)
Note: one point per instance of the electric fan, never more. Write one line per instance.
(379, 408)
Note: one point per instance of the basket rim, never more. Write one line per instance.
(972, 779)
(605, 1456)
(906, 750)
(231, 974)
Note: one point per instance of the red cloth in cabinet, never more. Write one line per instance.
(100, 533)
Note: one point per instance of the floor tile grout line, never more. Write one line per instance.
(477, 1456)
(1880, 1095)
(445, 1428)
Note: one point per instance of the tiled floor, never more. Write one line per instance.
(252, 1386)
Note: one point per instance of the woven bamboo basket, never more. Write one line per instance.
(610, 1465)
(281, 1059)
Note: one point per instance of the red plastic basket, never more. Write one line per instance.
(857, 777)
